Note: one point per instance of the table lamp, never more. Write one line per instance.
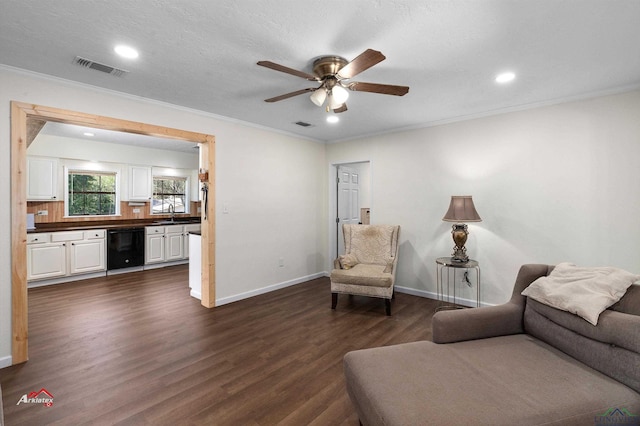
(461, 209)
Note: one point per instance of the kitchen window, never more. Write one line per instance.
(91, 193)
(169, 193)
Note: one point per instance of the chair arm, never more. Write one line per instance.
(477, 323)
(336, 264)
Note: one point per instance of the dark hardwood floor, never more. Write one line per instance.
(137, 349)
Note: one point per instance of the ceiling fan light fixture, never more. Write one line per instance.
(319, 96)
(334, 104)
(339, 95)
(332, 118)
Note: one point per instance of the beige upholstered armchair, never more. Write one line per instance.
(368, 267)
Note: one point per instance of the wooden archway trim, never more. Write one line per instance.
(20, 113)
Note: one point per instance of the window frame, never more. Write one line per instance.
(87, 169)
(187, 185)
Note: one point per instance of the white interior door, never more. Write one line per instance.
(348, 200)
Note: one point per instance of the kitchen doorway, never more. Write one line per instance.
(25, 118)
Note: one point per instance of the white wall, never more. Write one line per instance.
(552, 184)
(274, 186)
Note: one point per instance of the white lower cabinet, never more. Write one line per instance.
(46, 260)
(62, 254)
(154, 244)
(174, 236)
(187, 229)
(167, 243)
(87, 256)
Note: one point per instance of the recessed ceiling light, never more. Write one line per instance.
(88, 134)
(505, 77)
(332, 119)
(126, 51)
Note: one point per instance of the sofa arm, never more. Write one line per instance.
(477, 323)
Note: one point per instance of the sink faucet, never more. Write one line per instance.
(172, 211)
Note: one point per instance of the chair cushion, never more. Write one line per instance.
(363, 274)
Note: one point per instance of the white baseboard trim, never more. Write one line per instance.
(195, 294)
(415, 292)
(6, 361)
(164, 264)
(61, 280)
(267, 289)
(472, 303)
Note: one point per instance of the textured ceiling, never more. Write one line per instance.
(202, 54)
(133, 139)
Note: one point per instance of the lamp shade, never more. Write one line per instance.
(339, 94)
(461, 209)
(318, 97)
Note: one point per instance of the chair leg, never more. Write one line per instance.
(387, 305)
(334, 300)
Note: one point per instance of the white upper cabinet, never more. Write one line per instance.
(140, 183)
(42, 179)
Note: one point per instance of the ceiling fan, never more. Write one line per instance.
(333, 73)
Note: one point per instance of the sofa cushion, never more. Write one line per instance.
(610, 347)
(583, 291)
(462, 383)
(363, 274)
(630, 302)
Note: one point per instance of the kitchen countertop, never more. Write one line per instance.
(111, 224)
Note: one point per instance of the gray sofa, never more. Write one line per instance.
(521, 363)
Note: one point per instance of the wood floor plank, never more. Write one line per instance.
(136, 349)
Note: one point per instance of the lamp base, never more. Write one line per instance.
(459, 233)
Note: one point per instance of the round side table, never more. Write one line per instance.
(445, 263)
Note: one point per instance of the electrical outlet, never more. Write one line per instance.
(199, 209)
(136, 210)
(281, 262)
(43, 212)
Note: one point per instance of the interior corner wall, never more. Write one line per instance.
(552, 184)
(273, 185)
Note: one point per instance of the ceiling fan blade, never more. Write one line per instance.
(362, 62)
(291, 94)
(287, 70)
(341, 108)
(385, 89)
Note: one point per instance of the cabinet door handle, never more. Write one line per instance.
(64, 244)
(73, 244)
(35, 239)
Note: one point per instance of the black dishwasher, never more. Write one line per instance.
(125, 248)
